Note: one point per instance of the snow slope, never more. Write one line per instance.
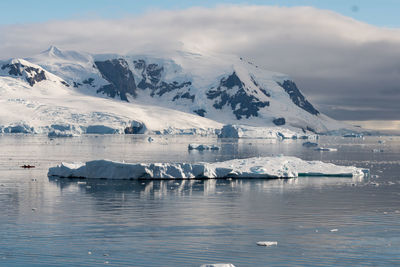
(175, 94)
(262, 167)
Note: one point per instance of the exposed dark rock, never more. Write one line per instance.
(65, 83)
(200, 112)
(242, 104)
(33, 75)
(151, 79)
(279, 121)
(311, 129)
(134, 130)
(120, 77)
(297, 98)
(186, 95)
(261, 89)
(88, 81)
(76, 85)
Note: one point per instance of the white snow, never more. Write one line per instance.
(33, 109)
(258, 167)
(267, 243)
(202, 147)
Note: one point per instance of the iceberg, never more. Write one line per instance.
(257, 167)
(267, 243)
(325, 149)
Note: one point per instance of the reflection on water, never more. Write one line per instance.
(72, 222)
(207, 187)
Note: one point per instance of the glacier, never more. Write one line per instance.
(258, 167)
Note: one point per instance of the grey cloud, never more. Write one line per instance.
(335, 60)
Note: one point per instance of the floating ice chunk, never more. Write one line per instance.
(354, 135)
(57, 133)
(310, 144)
(325, 149)
(261, 167)
(218, 265)
(202, 147)
(267, 243)
(334, 230)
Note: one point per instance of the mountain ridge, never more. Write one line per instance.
(225, 88)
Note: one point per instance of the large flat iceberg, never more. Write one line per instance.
(258, 167)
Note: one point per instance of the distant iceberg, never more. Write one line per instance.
(258, 167)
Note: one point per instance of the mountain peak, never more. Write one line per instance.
(53, 51)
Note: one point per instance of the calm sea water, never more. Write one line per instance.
(64, 222)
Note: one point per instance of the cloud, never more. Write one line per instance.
(336, 61)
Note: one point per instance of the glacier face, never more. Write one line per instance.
(221, 89)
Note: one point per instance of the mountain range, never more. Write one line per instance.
(178, 93)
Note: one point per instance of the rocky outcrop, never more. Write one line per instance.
(151, 75)
(279, 121)
(120, 77)
(32, 75)
(298, 99)
(232, 92)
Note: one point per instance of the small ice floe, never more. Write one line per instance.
(334, 230)
(377, 150)
(150, 139)
(257, 167)
(354, 135)
(202, 147)
(310, 144)
(325, 149)
(267, 243)
(218, 265)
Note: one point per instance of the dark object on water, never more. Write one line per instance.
(27, 166)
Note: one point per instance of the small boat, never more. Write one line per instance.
(27, 166)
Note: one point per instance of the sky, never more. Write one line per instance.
(343, 54)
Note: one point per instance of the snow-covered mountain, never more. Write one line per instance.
(181, 93)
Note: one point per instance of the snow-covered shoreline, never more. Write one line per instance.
(258, 167)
